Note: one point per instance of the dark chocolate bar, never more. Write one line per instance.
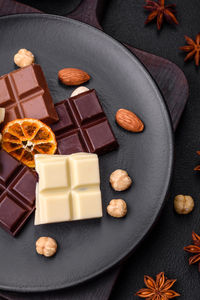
(25, 94)
(17, 193)
(83, 126)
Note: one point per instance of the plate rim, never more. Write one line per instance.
(164, 195)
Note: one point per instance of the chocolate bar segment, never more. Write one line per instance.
(25, 94)
(83, 126)
(17, 193)
(66, 191)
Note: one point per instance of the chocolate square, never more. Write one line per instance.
(6, 95)
(10, 212)
(25, 94)
(24, 186)
(83, 126)
(65, 120)
(87, 107)
(100, 134)
(8, 165)
(25, 81)
(17, 193)
(72, 143)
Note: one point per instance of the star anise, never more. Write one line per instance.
(159, 289)
(195, 249)
(193, 48)
(160, 11)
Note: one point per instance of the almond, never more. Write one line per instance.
(129, 121)
(79, 90)
(72, 76)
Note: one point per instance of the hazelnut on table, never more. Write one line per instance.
(117, 208)
(24, 58)
(119, 180)
(183, 204)
(46, 246)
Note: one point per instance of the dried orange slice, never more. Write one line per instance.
(22, 138)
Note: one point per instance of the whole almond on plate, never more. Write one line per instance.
(72, 76)
(129, 121)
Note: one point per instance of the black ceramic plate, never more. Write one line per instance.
(87, 248)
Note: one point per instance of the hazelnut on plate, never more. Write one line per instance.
(117, 208)
(24, 58)
(119, 180)
(46, 246)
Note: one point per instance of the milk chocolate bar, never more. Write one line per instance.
(83, 126)
(17, 193)
(24, 94)
(68, 188)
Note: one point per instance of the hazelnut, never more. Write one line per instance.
(79, 90)
(117, 208)
(183, 204)
(2, 114)
(23, 58)
(46, 246)
(119, 180)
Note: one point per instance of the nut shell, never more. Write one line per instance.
(72, 76)
(129, 121)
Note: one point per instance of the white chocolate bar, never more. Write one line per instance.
(68, 188)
